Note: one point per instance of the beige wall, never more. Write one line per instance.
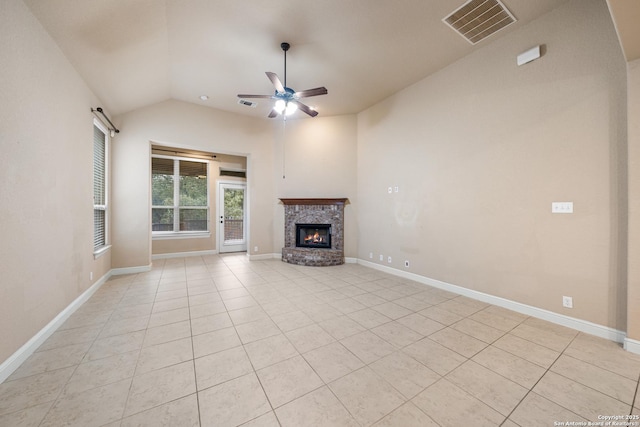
(46, 175)
(319, 160)
(633, 94)
(183, 125)
(479, 151)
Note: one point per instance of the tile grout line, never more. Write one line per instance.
(193, 352)
(635, 396)
(540, 379)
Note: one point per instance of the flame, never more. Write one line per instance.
(314, 238)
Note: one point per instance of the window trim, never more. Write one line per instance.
(101, 250)
(176, 233)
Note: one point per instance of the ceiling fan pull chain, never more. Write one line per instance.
(284, 138)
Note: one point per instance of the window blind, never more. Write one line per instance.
(99, 188)
(161, 166)
(197, 169)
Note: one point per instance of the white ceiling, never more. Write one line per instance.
(133, 53)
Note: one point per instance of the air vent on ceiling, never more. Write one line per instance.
(247, 103)
(478, 19)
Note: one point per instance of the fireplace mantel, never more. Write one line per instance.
(327, 201)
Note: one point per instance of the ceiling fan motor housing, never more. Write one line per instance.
(286, 95)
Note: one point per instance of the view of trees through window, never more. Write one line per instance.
(234, 214)
(179, 195)
(233, 204)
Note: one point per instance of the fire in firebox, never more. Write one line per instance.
(313, 235)
(314, 238)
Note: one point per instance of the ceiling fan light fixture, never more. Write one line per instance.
(291, 108)
(280, 106)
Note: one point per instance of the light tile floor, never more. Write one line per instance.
(222, 341)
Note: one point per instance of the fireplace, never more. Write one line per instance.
(313, 231)
(313, 236)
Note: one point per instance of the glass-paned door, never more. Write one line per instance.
(232, 224)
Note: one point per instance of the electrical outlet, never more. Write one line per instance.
(406, 263)
(255, 249)
(389, 260)
(91, 275)
(381, 257)
(562, 207)
(567, 302)
(396, 189)
(370, 255)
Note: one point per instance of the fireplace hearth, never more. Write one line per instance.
(313, 231)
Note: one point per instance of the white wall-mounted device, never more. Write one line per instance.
(528, 56)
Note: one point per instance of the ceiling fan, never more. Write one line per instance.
(288, 100)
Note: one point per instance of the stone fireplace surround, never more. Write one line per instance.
(314, 211)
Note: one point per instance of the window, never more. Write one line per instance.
(180, 194)
(100, 189)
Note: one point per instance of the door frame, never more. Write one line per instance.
(220, 186)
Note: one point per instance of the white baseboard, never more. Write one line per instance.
(559, 319)
(16, 359)
(262, 257)
(183, 254)
(632, 346)
(130, 270)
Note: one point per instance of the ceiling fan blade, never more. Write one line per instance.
(276, 81)
(273, 114)
(311, 92)
(242, 95)
(305, 108)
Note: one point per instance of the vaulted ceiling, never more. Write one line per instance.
(136, 53)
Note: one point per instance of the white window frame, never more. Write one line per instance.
(177, 233)
(101, 250)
